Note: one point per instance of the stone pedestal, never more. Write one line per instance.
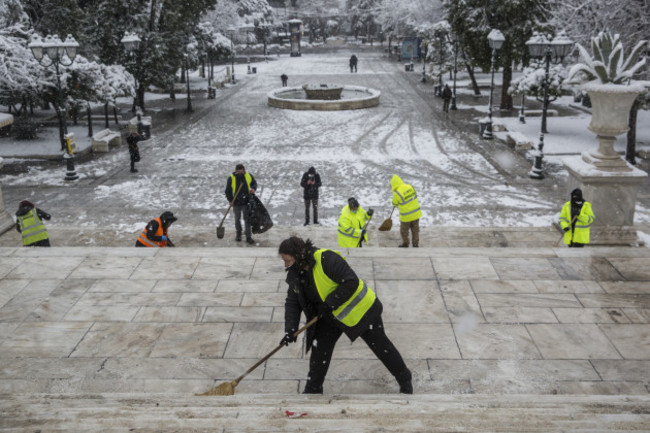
(612, 195)
(6, 221)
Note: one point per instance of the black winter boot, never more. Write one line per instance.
(311, 388)
(404, 380)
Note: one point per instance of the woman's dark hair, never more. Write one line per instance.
(298, 249)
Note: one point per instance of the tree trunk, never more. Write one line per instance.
(75, 115)
(202, 70)
(470, 71)
(140, 94)
(90, 121)
(106, 124)
(506, 98)
(172, 91)
(630, 150)
(115, 114)
(182, 80)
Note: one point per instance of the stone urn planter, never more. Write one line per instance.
(610, 109)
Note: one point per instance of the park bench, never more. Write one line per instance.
(101, 141)
(518, 140)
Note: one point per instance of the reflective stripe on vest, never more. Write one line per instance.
(32, 228)
(148, 242)
(233, 182)
(352, 311)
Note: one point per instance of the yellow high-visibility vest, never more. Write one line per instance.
(406, 200)
(351, 311)
(32, 228)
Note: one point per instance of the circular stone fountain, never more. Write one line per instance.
(324, 97)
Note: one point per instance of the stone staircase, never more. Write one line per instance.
(337, 413)
(101, 339)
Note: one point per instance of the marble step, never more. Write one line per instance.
(334, 413)
(326, 236)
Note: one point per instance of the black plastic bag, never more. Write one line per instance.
(258, 216)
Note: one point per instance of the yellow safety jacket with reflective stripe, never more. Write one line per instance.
(32, 228)
(406, 199)
(350, 226)
(351, 311)
(233, 182)
(580, 234)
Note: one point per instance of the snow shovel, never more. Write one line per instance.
(359, 245)
(228, 388)
(388, 224)
(220, 230)
(562, 237)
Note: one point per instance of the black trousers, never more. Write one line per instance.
(326, 337)
(314, 203)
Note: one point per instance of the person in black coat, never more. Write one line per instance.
(303, 297)
(353, 63)
(446, 97)
(311, 182)
(285, 80)
(134, 152)
(240, 203)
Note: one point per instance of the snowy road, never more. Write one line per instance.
(356, 152)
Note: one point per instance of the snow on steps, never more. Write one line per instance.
(336, 413)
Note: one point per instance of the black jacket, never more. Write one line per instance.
(25, 210)
(242, 197)
(446, 93)
(302, 296)
(310, 191)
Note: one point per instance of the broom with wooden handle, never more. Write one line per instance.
(228, 388)
(388, 224)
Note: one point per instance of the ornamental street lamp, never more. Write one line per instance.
(453, 94)
(131, 43)
(496, 40)
(541, 47)
(53, 52)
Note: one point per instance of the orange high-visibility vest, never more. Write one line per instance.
(148, 242)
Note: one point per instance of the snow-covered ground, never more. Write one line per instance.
(356, 153)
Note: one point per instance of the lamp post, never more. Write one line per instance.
(453, 94)
(424, 64)
(51, 52)
(131, 43)
(232, 56)
(541, 47)
(496, 40)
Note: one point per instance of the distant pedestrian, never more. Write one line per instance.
(284, 79)
(353, 63)
(311, 182)
(156, 232)
(575, 219)
(240, 203)
(446, 97)
(406, 200)
(134, 151)
(29, 223)
(352, 222)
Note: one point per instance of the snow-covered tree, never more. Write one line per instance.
(473, 20)
(582, 20)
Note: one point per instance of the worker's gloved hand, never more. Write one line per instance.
(289, 338)
(163, 237)
(566, 229)
(324, 310)
(371, 211)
